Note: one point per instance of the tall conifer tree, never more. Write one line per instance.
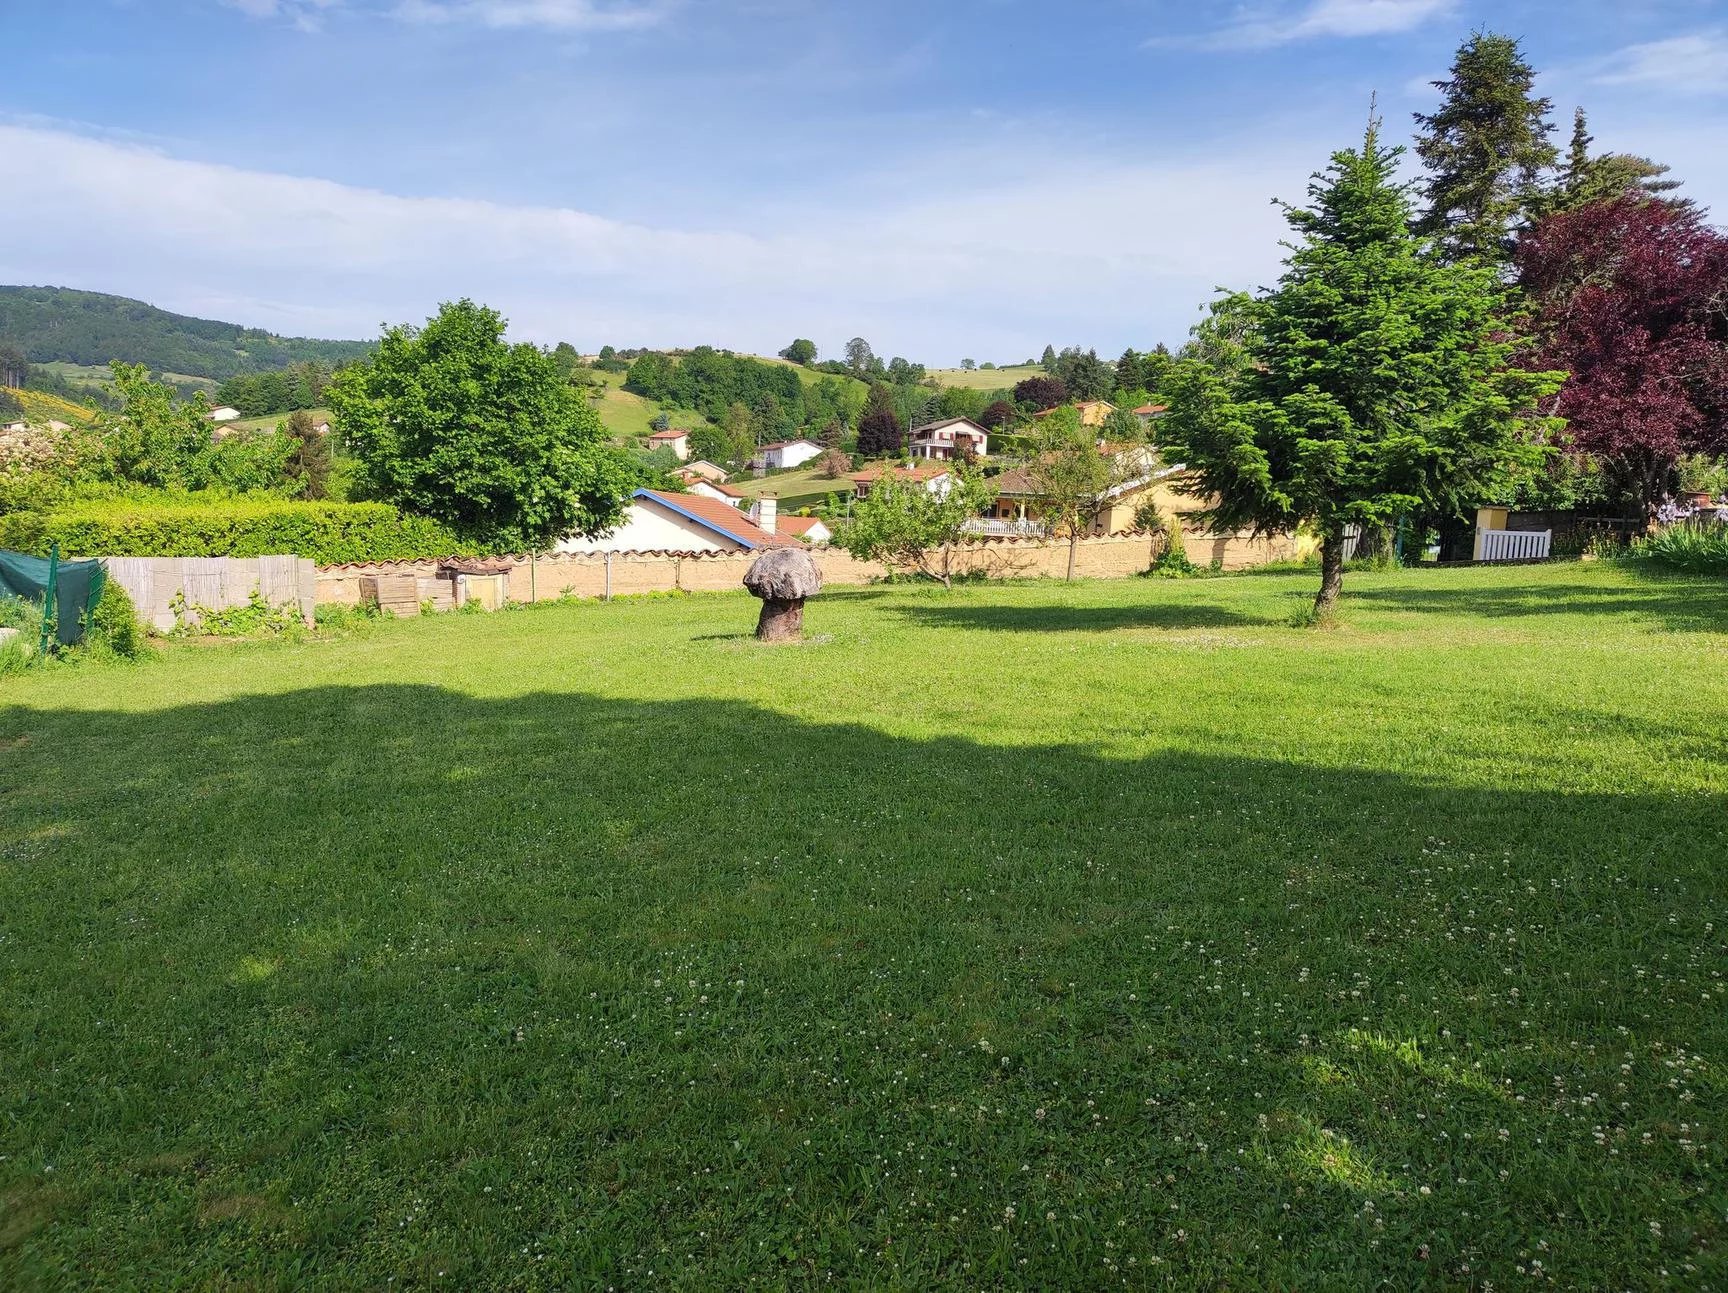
(1485, 148)
(1377, 380)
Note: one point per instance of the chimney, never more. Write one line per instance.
(766, 514)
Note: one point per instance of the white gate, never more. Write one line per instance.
(1513, 545)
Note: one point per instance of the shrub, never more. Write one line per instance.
(327, 533)
(1697, 547)
(113, 625)
(1174, 563)
(258, 618)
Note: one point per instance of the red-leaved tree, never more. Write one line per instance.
(1041, 393)
(1631, 297)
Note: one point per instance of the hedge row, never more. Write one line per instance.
(327, 533)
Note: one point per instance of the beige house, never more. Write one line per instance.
(223, 413)
(1092, 412)
(677, 439)
(932, 476)
(1018, 509)
(702, 469)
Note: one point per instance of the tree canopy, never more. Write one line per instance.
(1377, 381)
(1485, 147)
(451, 421)
(1628, 297)
(907, 526)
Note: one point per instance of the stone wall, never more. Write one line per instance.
(620, 574)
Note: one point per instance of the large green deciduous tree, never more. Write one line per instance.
(452, 422)
(1378, 380)
(156, 439)
(1485, 148)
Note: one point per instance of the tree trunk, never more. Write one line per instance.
(1331, 572)
(781, 621)
(1073, 543)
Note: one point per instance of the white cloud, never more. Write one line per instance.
(546, 15)
(1106, 255)
(551, 15)
(1264, 28)
(307, 15)
(1694, 64)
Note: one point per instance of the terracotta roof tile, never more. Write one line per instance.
(923, 472)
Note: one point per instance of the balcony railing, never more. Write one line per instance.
(992, 528)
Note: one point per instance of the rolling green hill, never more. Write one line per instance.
(985, 379)
(88, 329)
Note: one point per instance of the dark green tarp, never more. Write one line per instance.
(78, 585)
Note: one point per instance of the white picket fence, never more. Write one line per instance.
(1513, 545)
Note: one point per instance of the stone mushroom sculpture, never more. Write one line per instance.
(783, 578)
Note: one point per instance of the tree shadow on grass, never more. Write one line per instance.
(385, 981)
(1674, 602)
(1188, 614)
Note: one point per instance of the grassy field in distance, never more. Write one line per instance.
(985, 379)
(800, 488)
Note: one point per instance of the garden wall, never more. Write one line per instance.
(595, 574)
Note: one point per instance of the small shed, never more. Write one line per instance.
(485, 580)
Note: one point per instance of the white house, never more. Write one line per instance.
(223, 413)
(810, 529)
(718, 492)
(949, 438)
(788, 453)
(677, 439)
(661, 522)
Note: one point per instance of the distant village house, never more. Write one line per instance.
(787, 453)
(677, 439)
(949, 439)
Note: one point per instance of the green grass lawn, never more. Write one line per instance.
(801, 487)
(271, 421)
(1038, 936)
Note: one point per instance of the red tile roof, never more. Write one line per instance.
(924, 472)
(718, 516)
(671, 433)
(1150, 410)
(799, 525)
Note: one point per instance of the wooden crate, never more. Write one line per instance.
(397, 595)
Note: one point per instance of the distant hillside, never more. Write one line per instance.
(60, 325)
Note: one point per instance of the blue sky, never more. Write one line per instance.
(963, 179)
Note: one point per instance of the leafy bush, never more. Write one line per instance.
(258, 618)
(1697, 547)
(327, 533)
(113, 625)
